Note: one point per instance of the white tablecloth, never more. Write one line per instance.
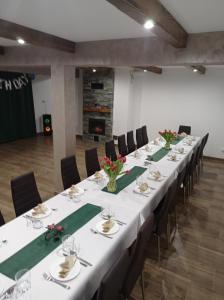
(100, 251)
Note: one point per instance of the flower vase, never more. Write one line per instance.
(112, 185)
(167, 145)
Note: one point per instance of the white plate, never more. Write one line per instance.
(95, 179)
(151, 177)
(80, 192)
(136, 190)
(113, 230)
(176, 160)
(55, 269)
(42, 216)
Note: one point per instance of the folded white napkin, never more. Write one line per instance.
(67, 265)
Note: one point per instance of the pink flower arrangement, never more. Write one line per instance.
(168, 135)
(54, 231)
(114, 168)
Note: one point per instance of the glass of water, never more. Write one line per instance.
(68, 244)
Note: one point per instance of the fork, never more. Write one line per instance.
(97, 232)
(50, 278)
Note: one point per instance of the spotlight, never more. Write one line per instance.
(21, 41)
(94, 70)
(149, 24)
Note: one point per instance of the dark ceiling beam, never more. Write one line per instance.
(200, 69)
(14, 31)
(153, 69)
(40, 70)
(2, 50)
(166, 26)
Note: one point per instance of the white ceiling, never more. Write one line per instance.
(197, 15)
(76, 20)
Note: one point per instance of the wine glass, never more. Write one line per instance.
(68, 244)
(23, 284)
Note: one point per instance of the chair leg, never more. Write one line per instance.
(158, 248)
(142, 285)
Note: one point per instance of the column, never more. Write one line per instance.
(63, 116)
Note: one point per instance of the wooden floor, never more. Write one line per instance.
(192, 269)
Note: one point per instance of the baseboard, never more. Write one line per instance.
(214, 158)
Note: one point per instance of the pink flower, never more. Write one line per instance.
(60, 228)
(127, 172)
(51, 227)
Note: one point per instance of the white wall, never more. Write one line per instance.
(178, 96)
(43, 102)
(122, 101)
(42, 99)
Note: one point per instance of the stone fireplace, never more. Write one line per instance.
(98, 94)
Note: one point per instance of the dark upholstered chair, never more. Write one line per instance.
(2, 221)
(136, 267)
(25, 194)
(162, 215)
(184, 128)
(121, 278)
(139, 138)
(131, 142)
(112, 283)
(122, 147)
(110, 150)
(92, 161)
(69, 172)
(145, 135)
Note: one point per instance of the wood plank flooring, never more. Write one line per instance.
(193, 267)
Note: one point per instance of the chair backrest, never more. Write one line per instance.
(112, 283)
(165, 207)
(130, 141)
(25, 194)
(145, 135)
(2, 221)
(92, 161)
(69, 171)
(184, 128)
(139, 138)
(138, 259)
(122, 147)
(110, 150)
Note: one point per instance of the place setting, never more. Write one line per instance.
(35, 216)
(173, 157)
(179, 150)
(74, 193)
(154, 174)
(109, 225)
(142, 187)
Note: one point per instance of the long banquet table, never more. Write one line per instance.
(128, 206)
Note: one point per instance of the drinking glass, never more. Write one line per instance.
(68, 244)
(23, 285)
(139, 180)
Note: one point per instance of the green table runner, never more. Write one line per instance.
(34, 252)
(127, 179)
(158, 155)
(177, 140)
(162, 152)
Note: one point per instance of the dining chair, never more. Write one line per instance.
(112, 283)
(135, 269)
(110, 150)
(145, 135)
(122, 147)
(92, 161)
(185, 129)
(130, 141)
(69, 171)
(204, 141)
(162, 225)
(2, 221)
(139, 138)
(25, 194)
(120, 280)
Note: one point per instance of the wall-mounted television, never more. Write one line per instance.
(97, 86)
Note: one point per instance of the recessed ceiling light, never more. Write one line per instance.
(195, 70)
(20, 41)
(94, 70)
(145, 70)
(149, 24)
